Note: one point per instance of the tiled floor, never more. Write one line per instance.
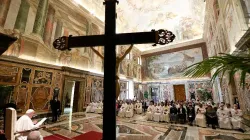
(137, 128)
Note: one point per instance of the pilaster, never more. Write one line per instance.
(22, 16)
(40, 20)
(49, 26)
(4, 8)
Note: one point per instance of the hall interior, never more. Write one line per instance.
(33, 72)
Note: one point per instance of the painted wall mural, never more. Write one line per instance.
(232, 25)
(170, 65)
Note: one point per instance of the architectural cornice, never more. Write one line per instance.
(28, 62)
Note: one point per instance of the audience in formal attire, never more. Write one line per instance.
(202, 114)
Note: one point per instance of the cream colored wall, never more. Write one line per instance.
(222, 35)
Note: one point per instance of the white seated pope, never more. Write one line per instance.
(25, 123)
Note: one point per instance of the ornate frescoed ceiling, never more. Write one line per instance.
(183, 17)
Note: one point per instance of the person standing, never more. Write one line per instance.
(173, 114)
(55, 108)
(236, 118)
(211, 116)
(191, 114)
(200, 118)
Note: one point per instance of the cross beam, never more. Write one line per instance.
(110, 39)
(158, 37)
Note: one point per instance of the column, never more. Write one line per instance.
(49, 26)
(22, 16)
(41, 17)
(4, 8)
(58, 31)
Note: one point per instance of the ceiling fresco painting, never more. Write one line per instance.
(184, 18)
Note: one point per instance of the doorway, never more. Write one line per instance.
(179, 92)
(72, 91)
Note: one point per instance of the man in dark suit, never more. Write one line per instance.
(191, 114)
(55, 108)
(182, 114)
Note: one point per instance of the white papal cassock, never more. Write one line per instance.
(130, 111)
(150, 112)
(123, 110)
(224, 118)
(236, 118)
(22, 124)
(158, 113)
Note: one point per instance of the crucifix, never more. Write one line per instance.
(109, 40)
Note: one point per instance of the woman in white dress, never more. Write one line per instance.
(200, 118)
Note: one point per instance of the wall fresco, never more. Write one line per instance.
(170, 65)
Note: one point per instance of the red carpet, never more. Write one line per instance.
(91, 135)
(56, 137)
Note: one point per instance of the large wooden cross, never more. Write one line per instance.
(109, 40)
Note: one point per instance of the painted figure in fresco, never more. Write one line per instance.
(118, 61)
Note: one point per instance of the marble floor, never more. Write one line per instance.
(137, 128)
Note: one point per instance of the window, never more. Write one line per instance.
(139, 60)
(128, 56)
